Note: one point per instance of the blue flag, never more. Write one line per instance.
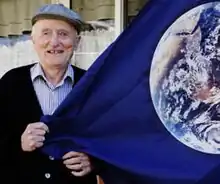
(148, 106)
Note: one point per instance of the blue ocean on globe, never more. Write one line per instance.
(185, 78)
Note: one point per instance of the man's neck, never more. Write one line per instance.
(54, 75)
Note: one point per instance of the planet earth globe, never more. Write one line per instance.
(185, 78)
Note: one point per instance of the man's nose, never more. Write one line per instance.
(54, 41)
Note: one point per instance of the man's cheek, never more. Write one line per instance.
(44, 45)
(69, 47)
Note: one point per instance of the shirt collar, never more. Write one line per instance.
(37, 71)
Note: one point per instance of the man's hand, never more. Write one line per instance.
(78, 163)
(33, 136)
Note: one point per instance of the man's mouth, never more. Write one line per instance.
(55, 51)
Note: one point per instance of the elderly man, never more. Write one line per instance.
(31, 91)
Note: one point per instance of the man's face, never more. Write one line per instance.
(54, 42)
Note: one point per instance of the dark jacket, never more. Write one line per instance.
(19, 106)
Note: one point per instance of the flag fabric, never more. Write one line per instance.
(110, 114)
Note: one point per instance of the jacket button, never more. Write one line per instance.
(47, 175)
(51, 158)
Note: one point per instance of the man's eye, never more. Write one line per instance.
(63, 34)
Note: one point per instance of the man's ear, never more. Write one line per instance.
(78, 38)
(32, 39)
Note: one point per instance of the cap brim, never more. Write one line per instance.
(79, 25)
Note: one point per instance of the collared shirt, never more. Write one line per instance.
(50, 96)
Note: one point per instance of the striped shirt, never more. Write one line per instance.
(50, 96)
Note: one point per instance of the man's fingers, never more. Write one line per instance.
(39, 132)
(33, 138)
(84, 172)
(34, 144)
(72, 154)
(38, 125)
(74, 160)
(75, 167)
(80, 166)
(79, 163)
(39, 144)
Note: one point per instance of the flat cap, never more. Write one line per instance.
(60, 12)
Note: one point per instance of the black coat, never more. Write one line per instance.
(19, 106)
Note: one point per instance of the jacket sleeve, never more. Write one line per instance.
(9, 134)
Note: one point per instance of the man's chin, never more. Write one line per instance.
(58, 63)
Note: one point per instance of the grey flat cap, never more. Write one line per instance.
(60, 12)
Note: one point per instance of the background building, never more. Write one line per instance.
(106, 20)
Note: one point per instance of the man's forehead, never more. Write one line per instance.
(42, 29)
(53, 24)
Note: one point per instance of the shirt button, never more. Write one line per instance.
(51, 158)
(47, 175)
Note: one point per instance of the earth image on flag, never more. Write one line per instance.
(185, 78)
